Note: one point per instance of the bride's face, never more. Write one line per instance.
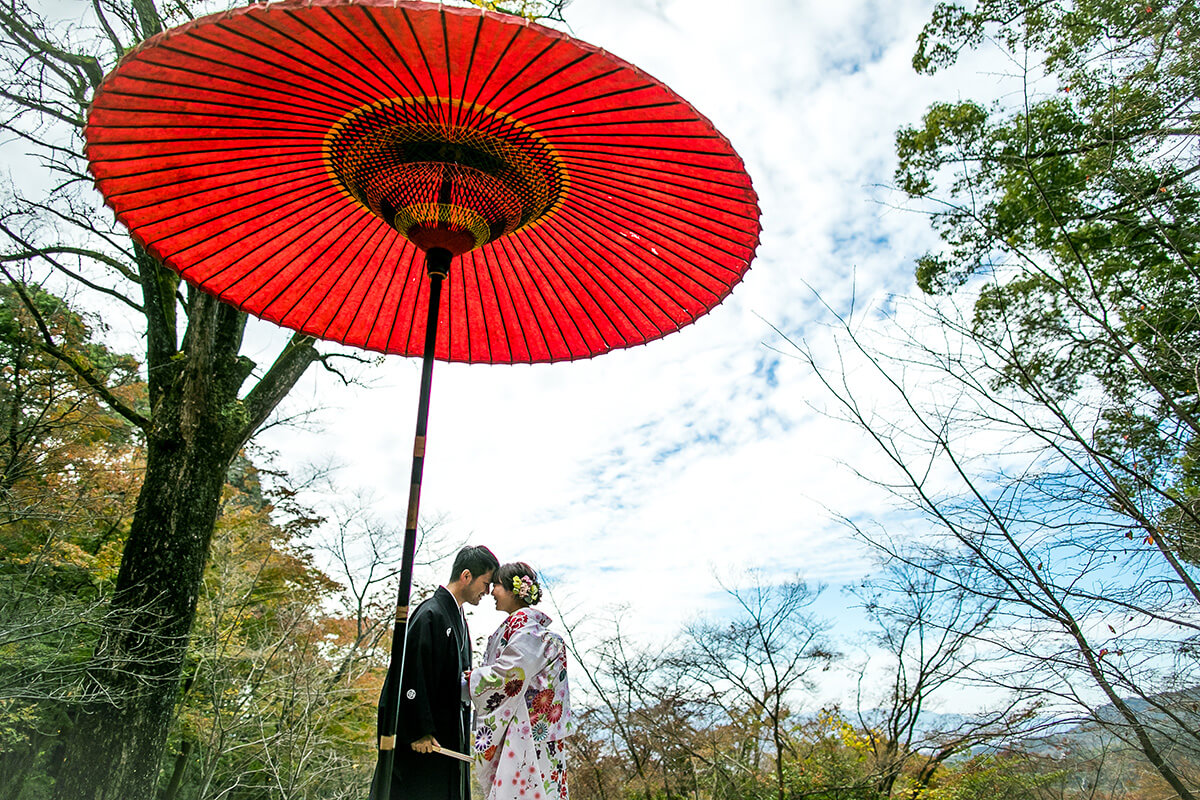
(506, 601)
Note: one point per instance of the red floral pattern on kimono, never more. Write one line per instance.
(522, 708)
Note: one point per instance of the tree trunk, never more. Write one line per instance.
(198, 424)
(115, 749)
(181, 762)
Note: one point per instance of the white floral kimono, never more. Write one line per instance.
(522, 711)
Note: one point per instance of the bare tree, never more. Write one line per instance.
(927, 630)
(1085, 611)
(761, 656)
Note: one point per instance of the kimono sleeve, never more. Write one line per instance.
(416, 690)
(525, 655)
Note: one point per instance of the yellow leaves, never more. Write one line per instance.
(108, 561)
(832, 723)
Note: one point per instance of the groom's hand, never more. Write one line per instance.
(426, 744)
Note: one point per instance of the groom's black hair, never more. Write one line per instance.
(477, 559)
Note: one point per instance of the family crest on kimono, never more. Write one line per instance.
(521, 697)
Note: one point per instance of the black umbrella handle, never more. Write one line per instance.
(437, 263)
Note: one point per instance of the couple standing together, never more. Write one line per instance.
(519, 692)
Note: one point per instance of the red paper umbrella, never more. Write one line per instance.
(295, 159)
(422, 180)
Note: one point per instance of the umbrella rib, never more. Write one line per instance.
(219, 110)
(674, 249)
(162, 171)
(635, 201)
(635, 205)
(382, 88)
(371, 18)
(630, 265)
(355, 79)
(450, 95)
(593, 127)
(216, 150)
(463, 262)
(483, 274)
(415, 317)
(544, 83)
(516, 320)
(531, 267)
(230, 226)
(631, 140)
(301, 175)
(448, 300)
(373, 261)
(289, 103)
(424, 57)
(576, 116)
(462, 95)
(588, 100)
(331, 261)
(288, 90)
(718, 222)
(611, 290)
(375, 235)
(289, 59)
(392, 243)
(520, 73)
(565, 276)
(401, 304)
(591, 155)
(738, 197)
(495, 65)
(280, 244)
(519, 244)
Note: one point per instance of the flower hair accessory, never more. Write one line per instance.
(524, 588)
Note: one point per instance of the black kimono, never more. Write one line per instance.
(438, 652)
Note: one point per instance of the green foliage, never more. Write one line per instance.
(996, 777)
(268, 706)
(272, 700)
(529, 9)
(70, 469)
(1075, 211)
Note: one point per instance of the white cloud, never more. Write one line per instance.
(702, 442)
(637, 475)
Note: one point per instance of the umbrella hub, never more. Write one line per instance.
(445, 173)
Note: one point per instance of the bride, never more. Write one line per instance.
(520, 695)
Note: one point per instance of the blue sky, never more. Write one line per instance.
(636, 477)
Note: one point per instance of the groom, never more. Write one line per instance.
(432, 709)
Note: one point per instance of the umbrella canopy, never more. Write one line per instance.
(296, 159)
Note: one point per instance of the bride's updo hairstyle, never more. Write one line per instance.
(520, 579)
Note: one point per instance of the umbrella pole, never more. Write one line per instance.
(437, 264)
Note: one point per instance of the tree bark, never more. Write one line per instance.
(197, 426)
(115, 749)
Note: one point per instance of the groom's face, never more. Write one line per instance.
(477, 588)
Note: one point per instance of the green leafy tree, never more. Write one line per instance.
(269, 710)
(1045, 392)
(70, 474)
(198, 413)
(1067, 218)
(1077, 206)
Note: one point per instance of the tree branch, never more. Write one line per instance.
(278, 381)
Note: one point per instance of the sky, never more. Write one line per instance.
(645, 479)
